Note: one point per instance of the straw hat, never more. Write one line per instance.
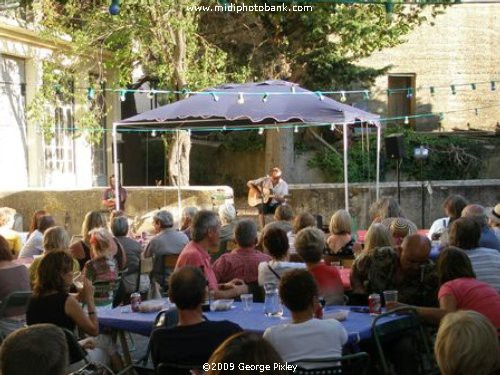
(494, 213)
(400, 223)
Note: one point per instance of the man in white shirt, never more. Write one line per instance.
(305, 337)
(268, 192)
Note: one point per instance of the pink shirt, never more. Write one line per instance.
(472, 294)
(240, 263)
(196, 256)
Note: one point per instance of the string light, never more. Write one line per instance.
(407, 121)
(366, 95)
(153, 133)
(293, 89)
(453, 90)
(433, 90)
(90, 94)
(224, 128)
(264, 98)
(215, 97)
(151, 94)
(493, 86)
(320, 95)
(123, 94)
(261, 131)
(332, 127)
(342, 96)
(189, 132)
(409, 93)
(473, 86)
(296, 129)
(241, 99)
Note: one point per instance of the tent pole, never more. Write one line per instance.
(178, 157)
(377, 184)
(115, 166)
(346, 166)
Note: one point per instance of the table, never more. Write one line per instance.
(357, 325)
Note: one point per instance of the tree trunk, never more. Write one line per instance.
(178, 159)
(280, 152)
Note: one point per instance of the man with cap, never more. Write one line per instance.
(167, 241)
(478, 214)
(271, 190)
(494, 220)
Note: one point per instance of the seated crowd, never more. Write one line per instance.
(451, 278)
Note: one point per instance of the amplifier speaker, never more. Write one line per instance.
(394, 146)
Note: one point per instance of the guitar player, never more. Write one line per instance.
(270, 191)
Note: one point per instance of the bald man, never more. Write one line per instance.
(478, 213)
(406, 269)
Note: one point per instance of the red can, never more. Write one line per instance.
(374, 304)
(135, 301)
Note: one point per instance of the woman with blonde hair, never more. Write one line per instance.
(80, 250)
(340, 241)
(54, 239)
(467, 343)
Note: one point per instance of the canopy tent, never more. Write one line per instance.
(252, 106)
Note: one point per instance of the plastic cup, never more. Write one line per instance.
(247, 300)
(391, 299)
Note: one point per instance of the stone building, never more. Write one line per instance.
(460, 46)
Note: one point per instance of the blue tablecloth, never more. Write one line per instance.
(358, 325)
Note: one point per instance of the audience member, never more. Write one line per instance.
(283, 217)
(465, 234)
(34, 221)
(102, 267)
(40, 349)
(194, 339)
(205, 230)
(399, 228)
(385, 207)
(186, 219)
(133, 250)
(300, 221)
(275, 242)
(340, 241)
(452, 207)
(310, 243)
(242, 262)
(227, 215)
(459, 289)
(248, 348)
(80, 250)
(378, 235)
(54, 239)
(305, 337)
(494, 220)
(34, 245)
(6, 222)
(167, 241)
(478, 214)
(407, 270)
(467, 343)
(51, 303)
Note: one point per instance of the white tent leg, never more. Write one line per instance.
(116, 167)
(346, 166)
(377, 184)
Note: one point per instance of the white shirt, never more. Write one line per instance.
(438, 226)
(280, 189)
(313, 339)
(34, 245)
(267, 276)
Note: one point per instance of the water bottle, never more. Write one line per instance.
(272, 303)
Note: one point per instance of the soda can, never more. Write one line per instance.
(374, 304)
(135, 301)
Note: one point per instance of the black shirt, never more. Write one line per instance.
(49, 309)
(190, 345)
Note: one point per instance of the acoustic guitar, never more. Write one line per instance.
(265, 195)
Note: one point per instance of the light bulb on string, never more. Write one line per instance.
(453, 90)
(441, 116)
(264, 98)
(123, 94)
(90, 94)
(153, 133)
(189, 132)
(214, 96)
(261, 131)
(409, 93)
(296, 129)
(366, 94)
(407, 120)
(292, 89)
(151, 94)
(241, 99)
(332, 127)
(320, 95)
(224, 128)
(343, 98)
(473, 86)
(493, 86)
(433, 90)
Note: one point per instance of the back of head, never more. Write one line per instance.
(45, 222)
(477, 213)
(453, 263)
(189, 212)
(245, 233)
(202, 222)
(341, 223)
(101, 240)
(248, 348)
(384, 208)
(93, 219)
(302, 221)
(417, 244)
(39, 349)
(49, 274)
(187, 288)
(164, 219)
(275, 241)
(227, 213)
(298, 290)
(119, 226)
(55, 238)
(378, 235)
(34, 219)
(283, 213)
(465, 233)
(7, 216)
(5, 252)
(310, 243)
(453, 206)
(467, 343)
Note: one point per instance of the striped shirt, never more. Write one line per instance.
(486, 265)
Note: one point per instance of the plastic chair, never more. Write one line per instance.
(408, 327)
(16, 303)
(352, 364)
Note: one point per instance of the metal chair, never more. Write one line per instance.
(352, 364)
(407, 327)
(13, 312)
